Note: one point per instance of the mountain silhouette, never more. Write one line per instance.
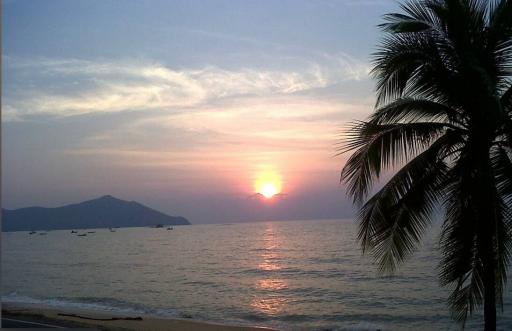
(104, 212)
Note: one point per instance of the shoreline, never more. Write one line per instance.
(82, 318)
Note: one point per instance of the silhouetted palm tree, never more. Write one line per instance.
(443, 122)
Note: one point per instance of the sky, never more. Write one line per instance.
(185, 106)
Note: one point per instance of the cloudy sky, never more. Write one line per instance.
(184, 105)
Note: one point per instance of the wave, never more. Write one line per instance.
(283, 322)
(362, 326)
(93, 304)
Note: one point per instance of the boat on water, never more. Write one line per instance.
(73, 231)
(170, 228)
(32, 232)
(82, 235)
(159, 226)
(91, 231)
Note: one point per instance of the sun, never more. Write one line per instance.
(268, 190)
(268, 185)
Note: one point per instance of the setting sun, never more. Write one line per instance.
(268, 185)
(268, 190)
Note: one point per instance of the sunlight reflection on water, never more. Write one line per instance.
(270, 305)
(272, 284)
(270, 253)
(270, 302)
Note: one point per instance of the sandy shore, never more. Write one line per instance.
(54, 316)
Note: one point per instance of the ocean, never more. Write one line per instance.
(293, 275)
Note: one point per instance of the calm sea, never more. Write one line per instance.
(301, 275)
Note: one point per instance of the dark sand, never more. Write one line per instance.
(50, 315)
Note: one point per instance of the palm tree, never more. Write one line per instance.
(443, 126)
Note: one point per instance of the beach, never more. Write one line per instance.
(109, 321)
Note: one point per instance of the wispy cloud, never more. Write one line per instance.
(69, 86)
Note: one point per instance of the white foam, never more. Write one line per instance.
(99, 306)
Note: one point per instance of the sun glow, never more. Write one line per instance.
(268, 190)
(268, 185)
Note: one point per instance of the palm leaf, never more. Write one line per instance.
(506, 100)
(393, 220)
(460, 264)
(502, 166)
(500, 34)
(413, 109)
(379, 146)
(418, 65)
(400, 23)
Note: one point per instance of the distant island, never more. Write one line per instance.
(104, 212)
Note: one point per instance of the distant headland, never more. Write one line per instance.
(104, 212)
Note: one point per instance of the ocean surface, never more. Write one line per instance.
(300, 275)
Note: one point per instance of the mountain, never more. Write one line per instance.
(103, 212)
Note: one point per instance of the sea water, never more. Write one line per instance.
(294, 275)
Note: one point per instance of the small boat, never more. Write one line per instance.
(159, 226)
(82, 235)
(73, 231)
(32, 232)
(91, 231)
(170, 228)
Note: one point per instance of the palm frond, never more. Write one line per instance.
(502, 166)
(500, 34)
(396, 61)
(467, 294)
(422, 11)
(499, 18)
(379, 146)
(400, 23)
(416, 65)
(413, 109)
(393, 220)
(501, 163)
(503, 245)
(506, 100)
(460, 264)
